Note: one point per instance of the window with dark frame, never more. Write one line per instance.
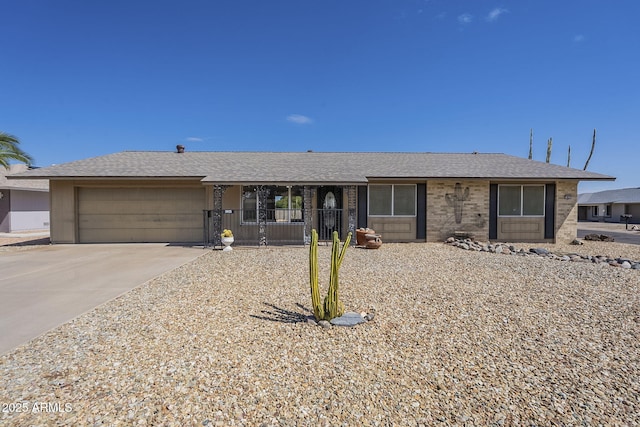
(392, 200)
(521, 200)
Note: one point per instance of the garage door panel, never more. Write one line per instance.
(135, 208)
(112, 198)
(140, 221)
(140, 214)
(142, 236)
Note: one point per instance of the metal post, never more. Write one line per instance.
(263, 195)
(352, 203)
(308, 194)
(218, 192)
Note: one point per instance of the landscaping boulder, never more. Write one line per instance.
(599, 238)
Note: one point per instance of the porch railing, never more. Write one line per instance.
(273, 227)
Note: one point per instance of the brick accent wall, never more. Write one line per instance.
(444, 197)
(566, 211)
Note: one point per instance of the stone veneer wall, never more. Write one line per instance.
(566, 211)
(441, 200)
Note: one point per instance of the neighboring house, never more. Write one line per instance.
(277, 198)
(609, 205)
(24, 204)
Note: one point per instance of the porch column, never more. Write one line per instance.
(352, 203)
(218, 192)
(308, 194)
(262, 192)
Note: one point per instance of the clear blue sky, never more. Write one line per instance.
(86, 78)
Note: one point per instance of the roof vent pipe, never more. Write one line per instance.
(180, 148)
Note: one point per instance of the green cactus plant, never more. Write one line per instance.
(332, 306)
(318, 308)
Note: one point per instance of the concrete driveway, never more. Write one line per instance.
(41, 288)
(615, 230)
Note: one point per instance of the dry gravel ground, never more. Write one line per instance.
(459, 338)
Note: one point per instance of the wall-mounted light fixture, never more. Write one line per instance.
(568, 196)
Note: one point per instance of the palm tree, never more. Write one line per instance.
(9, 150)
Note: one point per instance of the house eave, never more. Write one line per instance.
(488, 178)
(283, 182)
(11, 188)
(112, 178)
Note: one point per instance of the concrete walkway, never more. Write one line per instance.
(34, 234)
(43, 287)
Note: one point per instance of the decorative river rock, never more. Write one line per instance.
(348, 319)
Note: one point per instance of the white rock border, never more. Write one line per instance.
(506, 249)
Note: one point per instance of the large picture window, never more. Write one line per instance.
(392, 200)
(521, 200)
(282, 204)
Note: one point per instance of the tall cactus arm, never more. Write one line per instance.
(344, 249)
(316, 302)
(332, 305)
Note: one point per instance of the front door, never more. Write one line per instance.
(329, 212)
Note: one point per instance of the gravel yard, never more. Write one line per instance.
(459, 338)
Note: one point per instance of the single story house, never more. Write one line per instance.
(610, 205)
(278, 197)
(24, 204)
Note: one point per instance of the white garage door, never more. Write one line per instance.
(140, 214)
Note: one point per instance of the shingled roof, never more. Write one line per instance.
(23, 184)
(308, 167)
(623, 195)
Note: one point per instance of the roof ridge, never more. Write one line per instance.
(316, 152)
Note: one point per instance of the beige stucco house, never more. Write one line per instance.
(278, 197)
(24, 204)
(610, 206)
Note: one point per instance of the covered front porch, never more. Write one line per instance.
(264, 215)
